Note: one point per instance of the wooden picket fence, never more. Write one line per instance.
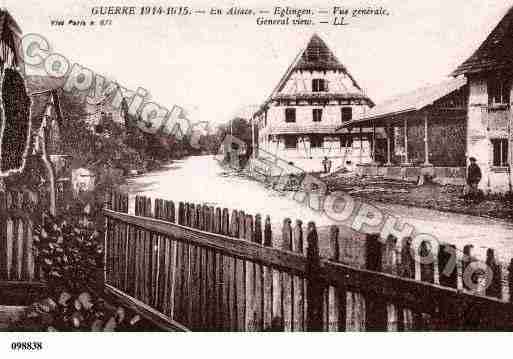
(212, 270)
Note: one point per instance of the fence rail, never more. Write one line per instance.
(211, 270)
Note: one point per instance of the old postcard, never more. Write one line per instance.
(255, 167)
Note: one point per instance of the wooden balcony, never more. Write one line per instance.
(293, 128)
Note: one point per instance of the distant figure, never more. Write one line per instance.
(326, 163)
(473, 179)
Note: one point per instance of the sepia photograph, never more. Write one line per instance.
(249, 167)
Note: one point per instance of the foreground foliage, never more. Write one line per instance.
(70, 257)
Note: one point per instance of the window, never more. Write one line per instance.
(319, 85)
(317, 114)
(290, 142)
(500, 152)
(316, 141)
(347, 114)
(290, 115)
(499, 90)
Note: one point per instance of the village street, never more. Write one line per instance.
(201, 180)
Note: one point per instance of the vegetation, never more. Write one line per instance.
(70, 256)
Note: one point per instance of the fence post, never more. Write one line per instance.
(447, 259)
(298, 282)
(234, 224)
(334, 245)
(268, 234)
(258, 229)
(240, 278)
(427, 270)
(268, 281)
(297, 244)
(314, 287)
(466, 260)
(407, 266)
(200, 217)
(494, 288)
(505, 293)
(250, 278)
(218, 221)
(336, 295)
(389, 255)
(225, 223)
(286, 235)
(242, 225)
(181, 213)
(376, 316)
(510, 280)
(193, 216)
(208, 216)
(170, 211)
(286, 244)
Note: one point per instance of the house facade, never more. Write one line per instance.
(490, 76)
(425, 133)
(299, 121)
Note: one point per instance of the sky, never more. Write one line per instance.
(216, 66)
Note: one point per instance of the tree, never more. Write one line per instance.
(241, 129)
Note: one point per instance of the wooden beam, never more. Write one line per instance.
(273, 257)
(21, 293)
(426, 139)
(406, 160)
(373, 141)
(389, 145)
(158, 319)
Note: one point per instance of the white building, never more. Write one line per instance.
(299, 121)
(490, 77)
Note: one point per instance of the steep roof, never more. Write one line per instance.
(414, 100)
(316, 56)
(495, 53)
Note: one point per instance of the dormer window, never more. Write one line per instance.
(499, 88)
(319, 85)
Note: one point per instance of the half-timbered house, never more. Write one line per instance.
(298, 123)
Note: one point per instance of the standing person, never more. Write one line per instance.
(325, 164)
(473, 178)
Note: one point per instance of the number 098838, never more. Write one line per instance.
(26, 346)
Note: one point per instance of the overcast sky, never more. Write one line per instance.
(213, 66)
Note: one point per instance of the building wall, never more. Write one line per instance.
(301, 82)
(484, 124)
(446, 140)
(331, 115)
